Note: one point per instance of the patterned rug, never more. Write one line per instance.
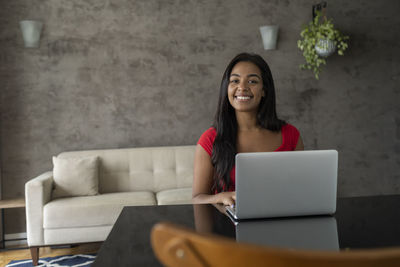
(81, 260)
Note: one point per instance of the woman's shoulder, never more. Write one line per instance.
(289, 128)
(206, 140)
(290, 136)
(210, 132)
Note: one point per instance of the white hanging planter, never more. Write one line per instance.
(325, 47)
(31, 30)
(269, 35)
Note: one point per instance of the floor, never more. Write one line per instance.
(22, 254)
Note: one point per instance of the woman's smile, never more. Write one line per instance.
(243, 98)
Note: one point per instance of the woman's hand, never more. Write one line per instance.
(226, 198)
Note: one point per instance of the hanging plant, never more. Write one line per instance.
(319, 40)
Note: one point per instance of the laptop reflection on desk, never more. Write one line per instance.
(311, 233)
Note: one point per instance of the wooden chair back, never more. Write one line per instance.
(177, 246)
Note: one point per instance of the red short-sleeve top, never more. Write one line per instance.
(290, 137)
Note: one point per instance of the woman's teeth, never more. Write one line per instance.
(243, 97)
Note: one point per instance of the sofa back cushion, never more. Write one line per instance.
(161, 168)
(142, 169)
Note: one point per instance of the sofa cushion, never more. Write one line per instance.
(161, 168)
(89, 211)
(75, 177)
(175, 196)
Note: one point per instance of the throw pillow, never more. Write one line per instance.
(75, 177)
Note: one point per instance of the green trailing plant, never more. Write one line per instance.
(316, 30)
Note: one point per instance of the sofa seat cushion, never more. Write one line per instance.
(175, 196)
(90, 211)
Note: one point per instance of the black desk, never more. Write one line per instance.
(362, 222)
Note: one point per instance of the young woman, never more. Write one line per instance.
(245, 121)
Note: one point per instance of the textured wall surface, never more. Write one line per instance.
(130, 73)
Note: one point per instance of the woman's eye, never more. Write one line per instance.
(253, 81)
(234, 81)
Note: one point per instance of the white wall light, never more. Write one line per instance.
(269, 34)
(31, 30)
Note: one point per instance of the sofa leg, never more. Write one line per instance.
(35, 255)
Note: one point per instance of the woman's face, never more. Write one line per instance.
(245, 88)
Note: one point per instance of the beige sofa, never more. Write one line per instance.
(126, 177)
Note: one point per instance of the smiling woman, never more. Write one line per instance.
(245, 121)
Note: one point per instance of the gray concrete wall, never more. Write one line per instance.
(129, 73)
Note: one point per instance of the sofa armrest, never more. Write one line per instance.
(37, 194)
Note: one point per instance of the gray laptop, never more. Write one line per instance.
(282, 184)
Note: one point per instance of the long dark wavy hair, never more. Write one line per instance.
(224, 148)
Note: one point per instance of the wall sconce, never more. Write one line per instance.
(269, 36)
(31, 30)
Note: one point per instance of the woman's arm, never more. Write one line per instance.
(203, 181)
